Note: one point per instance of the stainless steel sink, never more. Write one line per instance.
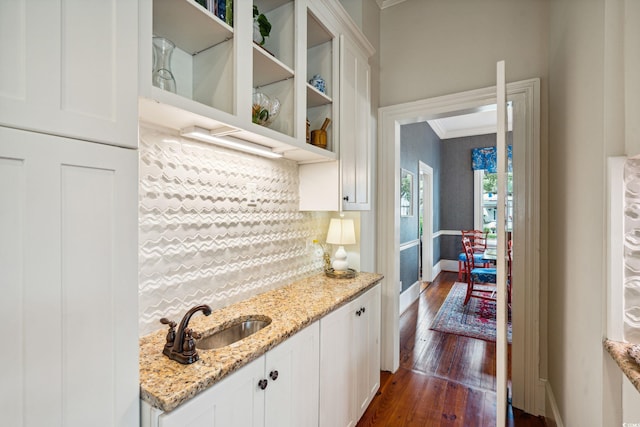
(240, 329)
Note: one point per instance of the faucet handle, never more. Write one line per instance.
(171, 335)
(166, 321)
(189, 345)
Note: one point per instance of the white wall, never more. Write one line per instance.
(437, 47)
(576, 202)
(585, 128)
(575, 47)
(430, 48)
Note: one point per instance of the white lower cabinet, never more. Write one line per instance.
(279, 389)
(325, 375)
(235, 401)
(349, 360)
(293, 384)
(366, 339)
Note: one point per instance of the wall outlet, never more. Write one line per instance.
(251, 192)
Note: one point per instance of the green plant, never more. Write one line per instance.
(263, 23)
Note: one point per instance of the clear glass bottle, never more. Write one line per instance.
(162, 75)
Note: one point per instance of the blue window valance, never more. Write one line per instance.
(485, 158)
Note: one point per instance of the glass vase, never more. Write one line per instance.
(162, 75)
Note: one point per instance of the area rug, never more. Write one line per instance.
(477, 319)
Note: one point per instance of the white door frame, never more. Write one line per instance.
(426, 172)
(527, 386)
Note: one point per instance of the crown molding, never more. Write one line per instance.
(383, 4)
(437, 128)
(337, 13)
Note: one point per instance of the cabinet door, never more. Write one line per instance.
(68, 269)
(366, 338)
(355, 144)
(337, 374)
(236, 401)
(292, 372)
(70, 68)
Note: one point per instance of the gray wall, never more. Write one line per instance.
(456, 205)
(453, 190)
(418, 143)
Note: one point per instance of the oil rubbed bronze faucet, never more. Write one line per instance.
(180, 344)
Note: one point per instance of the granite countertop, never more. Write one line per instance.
(619, 351)
(165, 384)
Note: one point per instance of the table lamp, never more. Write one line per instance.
(341, 232)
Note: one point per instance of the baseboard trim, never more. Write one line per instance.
(409, 296)
(448, 265)
(436, 270)
(552, 416)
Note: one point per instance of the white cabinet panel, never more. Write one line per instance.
(336, 369)
(13, 49)
(236, 401)
(70, 210)
(87, 245)
(349, 360)
(355, 144)
(319, 186)
(366, 336)
(292, 398)
(12, 209)
(70, 68)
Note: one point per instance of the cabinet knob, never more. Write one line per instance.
(262, 384)
(363, 310)
(358, 313)
(345, 198)
(273, 375)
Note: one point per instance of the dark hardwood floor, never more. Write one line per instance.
(443, 379)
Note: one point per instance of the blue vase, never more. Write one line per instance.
(318, 82)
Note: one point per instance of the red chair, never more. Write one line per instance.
(481, 281)
(478, 241)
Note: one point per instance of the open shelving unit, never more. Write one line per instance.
(215, 88)
(321, 61)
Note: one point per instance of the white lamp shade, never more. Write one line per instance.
(341, 232)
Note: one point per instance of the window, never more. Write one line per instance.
(485, 197)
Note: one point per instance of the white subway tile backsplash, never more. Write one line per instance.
(201, 241)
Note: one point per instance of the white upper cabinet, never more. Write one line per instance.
(340, 52)
(70, 69)
(218, 68)
(355, 137)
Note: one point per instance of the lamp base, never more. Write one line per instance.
(340, 262)
(344, 274)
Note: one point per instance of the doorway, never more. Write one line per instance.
(527, 388)
(425, 204)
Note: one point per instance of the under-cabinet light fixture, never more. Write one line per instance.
(206, 135)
